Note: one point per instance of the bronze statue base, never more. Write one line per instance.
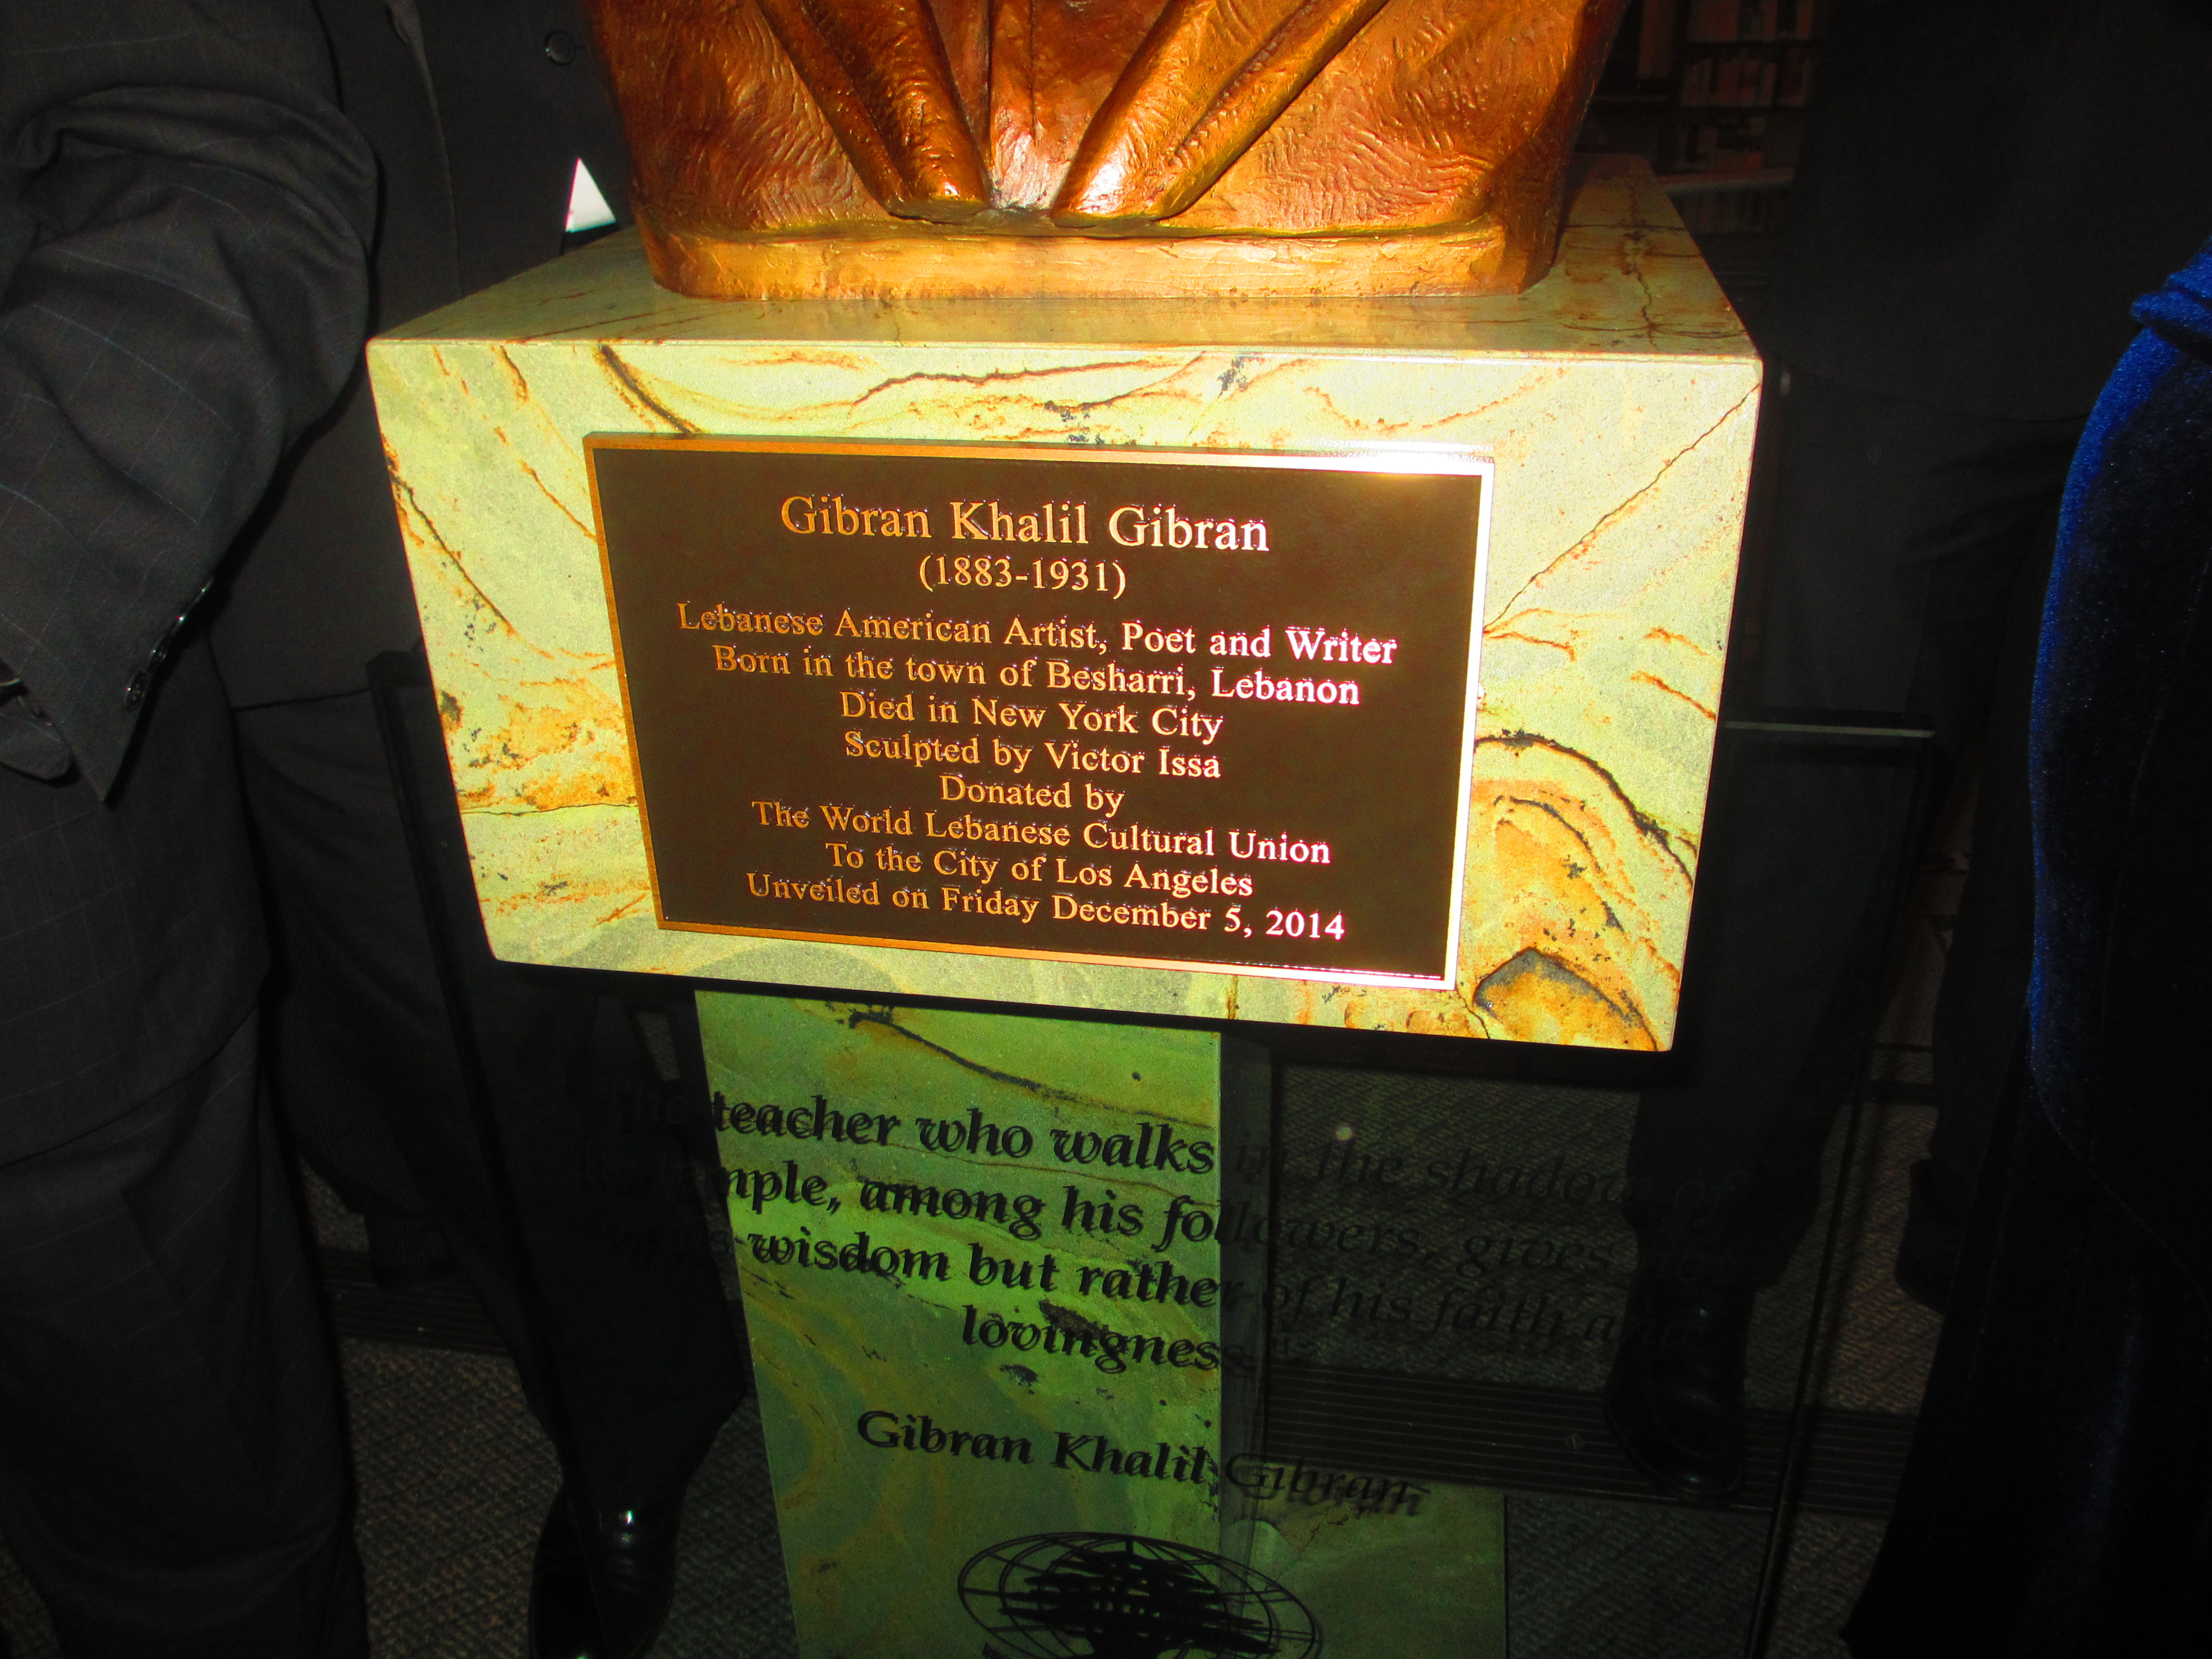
(910, 259)
(1090, 148)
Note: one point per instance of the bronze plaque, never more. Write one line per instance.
(1207, 711)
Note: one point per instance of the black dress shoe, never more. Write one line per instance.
(1934, 1233)
(1674, 1400)
(600, 1586)
(564, 1624)
(1926, 1266)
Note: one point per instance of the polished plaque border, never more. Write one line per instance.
(1451, 461)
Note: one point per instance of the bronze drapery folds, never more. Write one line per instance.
(761, 122)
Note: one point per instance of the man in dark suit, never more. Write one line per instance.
(1986, 186)
(2058, 1496)
(395, 1038)
(182, 218)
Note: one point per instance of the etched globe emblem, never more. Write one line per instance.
(1110, 1595)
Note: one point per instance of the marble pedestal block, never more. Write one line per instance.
(1406, 1568)
(1615, 400)
(1006, 1301)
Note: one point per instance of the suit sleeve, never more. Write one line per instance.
(183, 219)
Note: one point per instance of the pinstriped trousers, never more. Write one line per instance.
(171, 1473)
(172, 1466)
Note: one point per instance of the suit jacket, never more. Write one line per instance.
(183, 214)
(478, 112)
(1986, 186)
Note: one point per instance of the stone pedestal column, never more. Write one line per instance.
(1006, 1306)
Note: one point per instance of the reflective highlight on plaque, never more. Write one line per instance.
(1205, 711)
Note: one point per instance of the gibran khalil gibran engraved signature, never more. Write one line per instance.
(1135, 119)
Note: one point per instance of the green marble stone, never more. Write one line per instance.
(1000, 1283)
(1409, 1569)
(1617, 400)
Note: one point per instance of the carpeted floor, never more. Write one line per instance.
(1509, 1207)
(455, 1475)
(447, 1520)
(454, 1478)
